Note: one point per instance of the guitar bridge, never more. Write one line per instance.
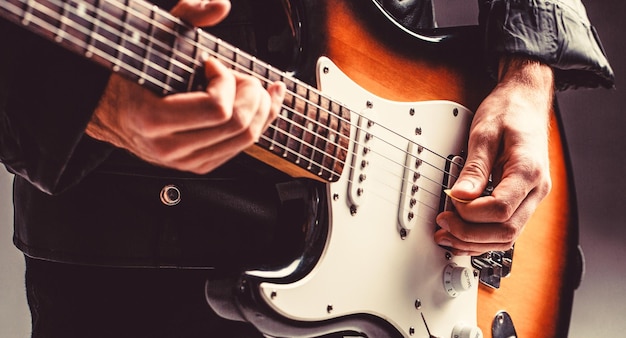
(493, 266)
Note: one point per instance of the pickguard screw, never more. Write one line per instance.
(326, 70)
(369, 104)
(335, 197)
(403, 233)
(412, 111)
(418, 304)
(273, 294)
(418, 131)
(329, 308)
(352, 210)
(448, 256)
(410, 216)
(455, 112)
(411, 331)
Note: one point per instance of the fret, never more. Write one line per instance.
(260, 69)
(226, 53)
(317, 155)
(274, 75)
(337, 142)
(112, 30)
(206, 46)
(28, 12)
(84, 12)
(158, 54)
(295, 128)
(64, 20)
(43, 16)
(135, 39)
(181, 63)
(306, 138)
(244, 61)
(76, 22)
(276, 134)
(149, 45)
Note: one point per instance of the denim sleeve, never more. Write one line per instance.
(556, 32)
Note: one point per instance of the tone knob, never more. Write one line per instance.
(457, 279)
(463, 330)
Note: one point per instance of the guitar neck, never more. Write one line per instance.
(160, 52)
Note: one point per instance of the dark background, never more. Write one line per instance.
(594, 123)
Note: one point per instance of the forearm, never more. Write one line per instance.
(531, 77)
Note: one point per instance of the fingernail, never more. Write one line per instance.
(445, 242)
(465, 185)
(443, 224)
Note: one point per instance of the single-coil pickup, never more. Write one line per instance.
(408, 208)
(452, 172)
(360, 161)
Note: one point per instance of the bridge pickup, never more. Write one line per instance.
(453, 170)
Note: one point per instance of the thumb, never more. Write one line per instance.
(202, 13)
(474, 176)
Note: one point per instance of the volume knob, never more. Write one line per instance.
(457, 279)
(463, 330)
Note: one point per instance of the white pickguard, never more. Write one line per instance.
(367, 267)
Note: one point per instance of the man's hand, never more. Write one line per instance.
(195, 131)
(509, 141)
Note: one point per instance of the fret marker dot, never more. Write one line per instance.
(81, 10)
(136, 37)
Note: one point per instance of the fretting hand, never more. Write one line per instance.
(196, 131)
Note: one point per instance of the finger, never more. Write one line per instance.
(480, 237)
(188, 111)
(206, 159)
(483, 146)
(476, 233)
(201, 13)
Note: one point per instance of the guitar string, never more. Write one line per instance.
(234, 65)
(289, 107)
(105, 54)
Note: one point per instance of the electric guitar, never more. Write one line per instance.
(380, 115)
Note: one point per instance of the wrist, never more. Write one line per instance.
(527, 72)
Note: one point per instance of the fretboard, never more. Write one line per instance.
(157, 50)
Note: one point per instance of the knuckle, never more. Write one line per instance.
(240, 121)
(476, 168)
(508, 235)
(503, 210)
(219, 111)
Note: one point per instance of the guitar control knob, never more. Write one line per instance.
(457, 279)
(463, 330)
